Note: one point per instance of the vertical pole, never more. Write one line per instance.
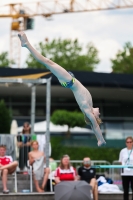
(15, 49)
(11, 56)
(33, 106)
(48, 105)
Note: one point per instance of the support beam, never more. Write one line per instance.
(33, 107)
(48, 105)
(20, 80)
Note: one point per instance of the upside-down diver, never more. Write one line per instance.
(67, 79)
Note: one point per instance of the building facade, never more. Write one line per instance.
(112, 93)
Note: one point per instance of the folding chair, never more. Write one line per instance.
(51, 178)
(30, 173)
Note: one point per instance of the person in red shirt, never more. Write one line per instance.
(65, 172)
(7, 166)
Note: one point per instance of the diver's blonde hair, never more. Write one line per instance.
(88, 122)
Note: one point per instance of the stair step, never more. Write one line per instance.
(23, 182)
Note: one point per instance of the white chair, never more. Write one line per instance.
(30, 173)
(16, 185)
(51, 178)
(15, 181)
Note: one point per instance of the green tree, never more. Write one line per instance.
(4, 60)
(123, 63)
(68, 54)
(64, 117)
(5, 118)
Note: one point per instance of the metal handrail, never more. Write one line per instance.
(116, 171)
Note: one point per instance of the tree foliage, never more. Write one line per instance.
(123, 63)
(64, 117)
(78, 153)
(67, 53)
(5, 118)
(4, 60)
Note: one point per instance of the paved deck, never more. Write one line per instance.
(24, 183)
(50, 196)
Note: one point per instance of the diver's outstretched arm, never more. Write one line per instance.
(97, 131)
(57, 70)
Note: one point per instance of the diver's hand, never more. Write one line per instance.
(23, 39)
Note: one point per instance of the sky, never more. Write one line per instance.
(107, 30)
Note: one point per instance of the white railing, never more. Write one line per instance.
(116, 173)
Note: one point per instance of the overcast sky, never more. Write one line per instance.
(107, 30)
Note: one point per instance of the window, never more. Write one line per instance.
(128, 129)
(114, 130)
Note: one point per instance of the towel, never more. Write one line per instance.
(38, 168)
(103, 186)
(8, 140)
(42, 142)
(106, 187)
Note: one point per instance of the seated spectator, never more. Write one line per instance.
(65, 172)
(37, 160)
(88, 174)
(7, 166)
(52, 164)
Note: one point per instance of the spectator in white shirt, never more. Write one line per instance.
(126, 158)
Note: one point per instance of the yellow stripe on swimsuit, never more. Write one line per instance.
(68, 84)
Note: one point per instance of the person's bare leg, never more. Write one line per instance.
(9, 166)
(57, 70)
(36, 182)
(12, 170)
(95, 192)
(45, 178)
(93, 183)
(4, 179)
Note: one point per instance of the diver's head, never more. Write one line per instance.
(96, 112)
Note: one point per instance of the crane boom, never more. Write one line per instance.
(22, 12)
(47, 8)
